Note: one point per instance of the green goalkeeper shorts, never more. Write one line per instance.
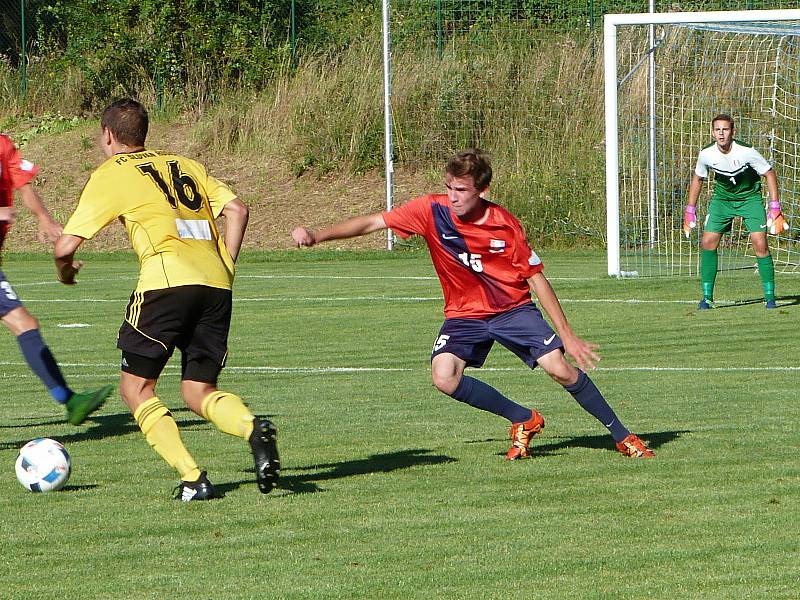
(722, 212)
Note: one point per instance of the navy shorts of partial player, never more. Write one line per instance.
(193, 318)
(8, 297)
(522, 330)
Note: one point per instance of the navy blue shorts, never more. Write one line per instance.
(522, 330)
(8, 297)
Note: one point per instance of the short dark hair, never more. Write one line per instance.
(722, 117)
(473, 162)
(127, 120)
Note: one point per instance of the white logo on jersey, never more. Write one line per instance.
(194, 229)
(26, 165)
(534, 259)
(496, 246)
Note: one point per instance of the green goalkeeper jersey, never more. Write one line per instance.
(737, 173)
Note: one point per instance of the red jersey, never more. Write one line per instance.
(15, 172)
(483, 268)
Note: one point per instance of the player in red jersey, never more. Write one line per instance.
(487, 271)
(16, 173)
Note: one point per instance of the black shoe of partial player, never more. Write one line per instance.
(264, 446)
(189, 491)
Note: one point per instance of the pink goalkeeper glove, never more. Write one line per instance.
(775, 221)
(689, 220)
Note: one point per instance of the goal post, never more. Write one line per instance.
(746, 63)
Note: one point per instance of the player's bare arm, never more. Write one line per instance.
(579, 349)
(49, 229)
(8, 214)
(354, 227)
(689, 217)
(776, 222)
(236, 216)
(64, 255)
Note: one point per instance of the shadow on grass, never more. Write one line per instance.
(97, 427)
(306, 483)
(782, 301)
(654, 441)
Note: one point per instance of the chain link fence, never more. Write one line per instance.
(519, 78)
(24, 23)
(524, 81)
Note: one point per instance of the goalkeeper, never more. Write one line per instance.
(738, 169)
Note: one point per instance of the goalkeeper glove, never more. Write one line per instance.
(689, 220)
(775, 221)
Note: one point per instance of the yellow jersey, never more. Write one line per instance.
(168, 204)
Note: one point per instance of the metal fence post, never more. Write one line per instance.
(24, 57)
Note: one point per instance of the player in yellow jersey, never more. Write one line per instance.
(168, 204)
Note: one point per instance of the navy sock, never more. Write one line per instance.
(481, 395)
(41, 362)
(591, 400)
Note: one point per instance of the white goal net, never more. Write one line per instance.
(667, 76)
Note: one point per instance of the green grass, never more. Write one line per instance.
(392, 490)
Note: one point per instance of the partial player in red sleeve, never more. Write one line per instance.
(16, 174)
(487, 271)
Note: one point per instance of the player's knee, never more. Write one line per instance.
(135, 390)
(194, 392)
(446, 382)
(20, 320)
(562, 372)
(709, 244)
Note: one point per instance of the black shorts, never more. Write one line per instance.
(193, 318)
(522, 330)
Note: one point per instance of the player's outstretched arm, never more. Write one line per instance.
(579, 349)
(49, 229)
(64, 255)
(236, 216)
(354, 227)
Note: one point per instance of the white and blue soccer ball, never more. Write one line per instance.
(43, 465)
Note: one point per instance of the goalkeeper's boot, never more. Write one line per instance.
(634, 447)
(770, 304)
(189, 491)
(705, 304)
(263, 444)
(521, 434)
(80, 406)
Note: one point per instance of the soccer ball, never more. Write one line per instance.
(43, 465)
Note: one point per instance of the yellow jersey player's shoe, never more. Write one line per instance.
(189, 491)
(80, 406)
(634, 447)
(521, 434)
(263, 444)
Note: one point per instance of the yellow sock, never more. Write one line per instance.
(161, 432)
(228, 413)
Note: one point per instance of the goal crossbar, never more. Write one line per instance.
(611, 22)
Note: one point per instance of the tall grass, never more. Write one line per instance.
(535, 106)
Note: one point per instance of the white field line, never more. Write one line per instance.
(375, 299)
(289, 276)
(332, 370)
(390, 277)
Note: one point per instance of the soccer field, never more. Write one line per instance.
(390, 489)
